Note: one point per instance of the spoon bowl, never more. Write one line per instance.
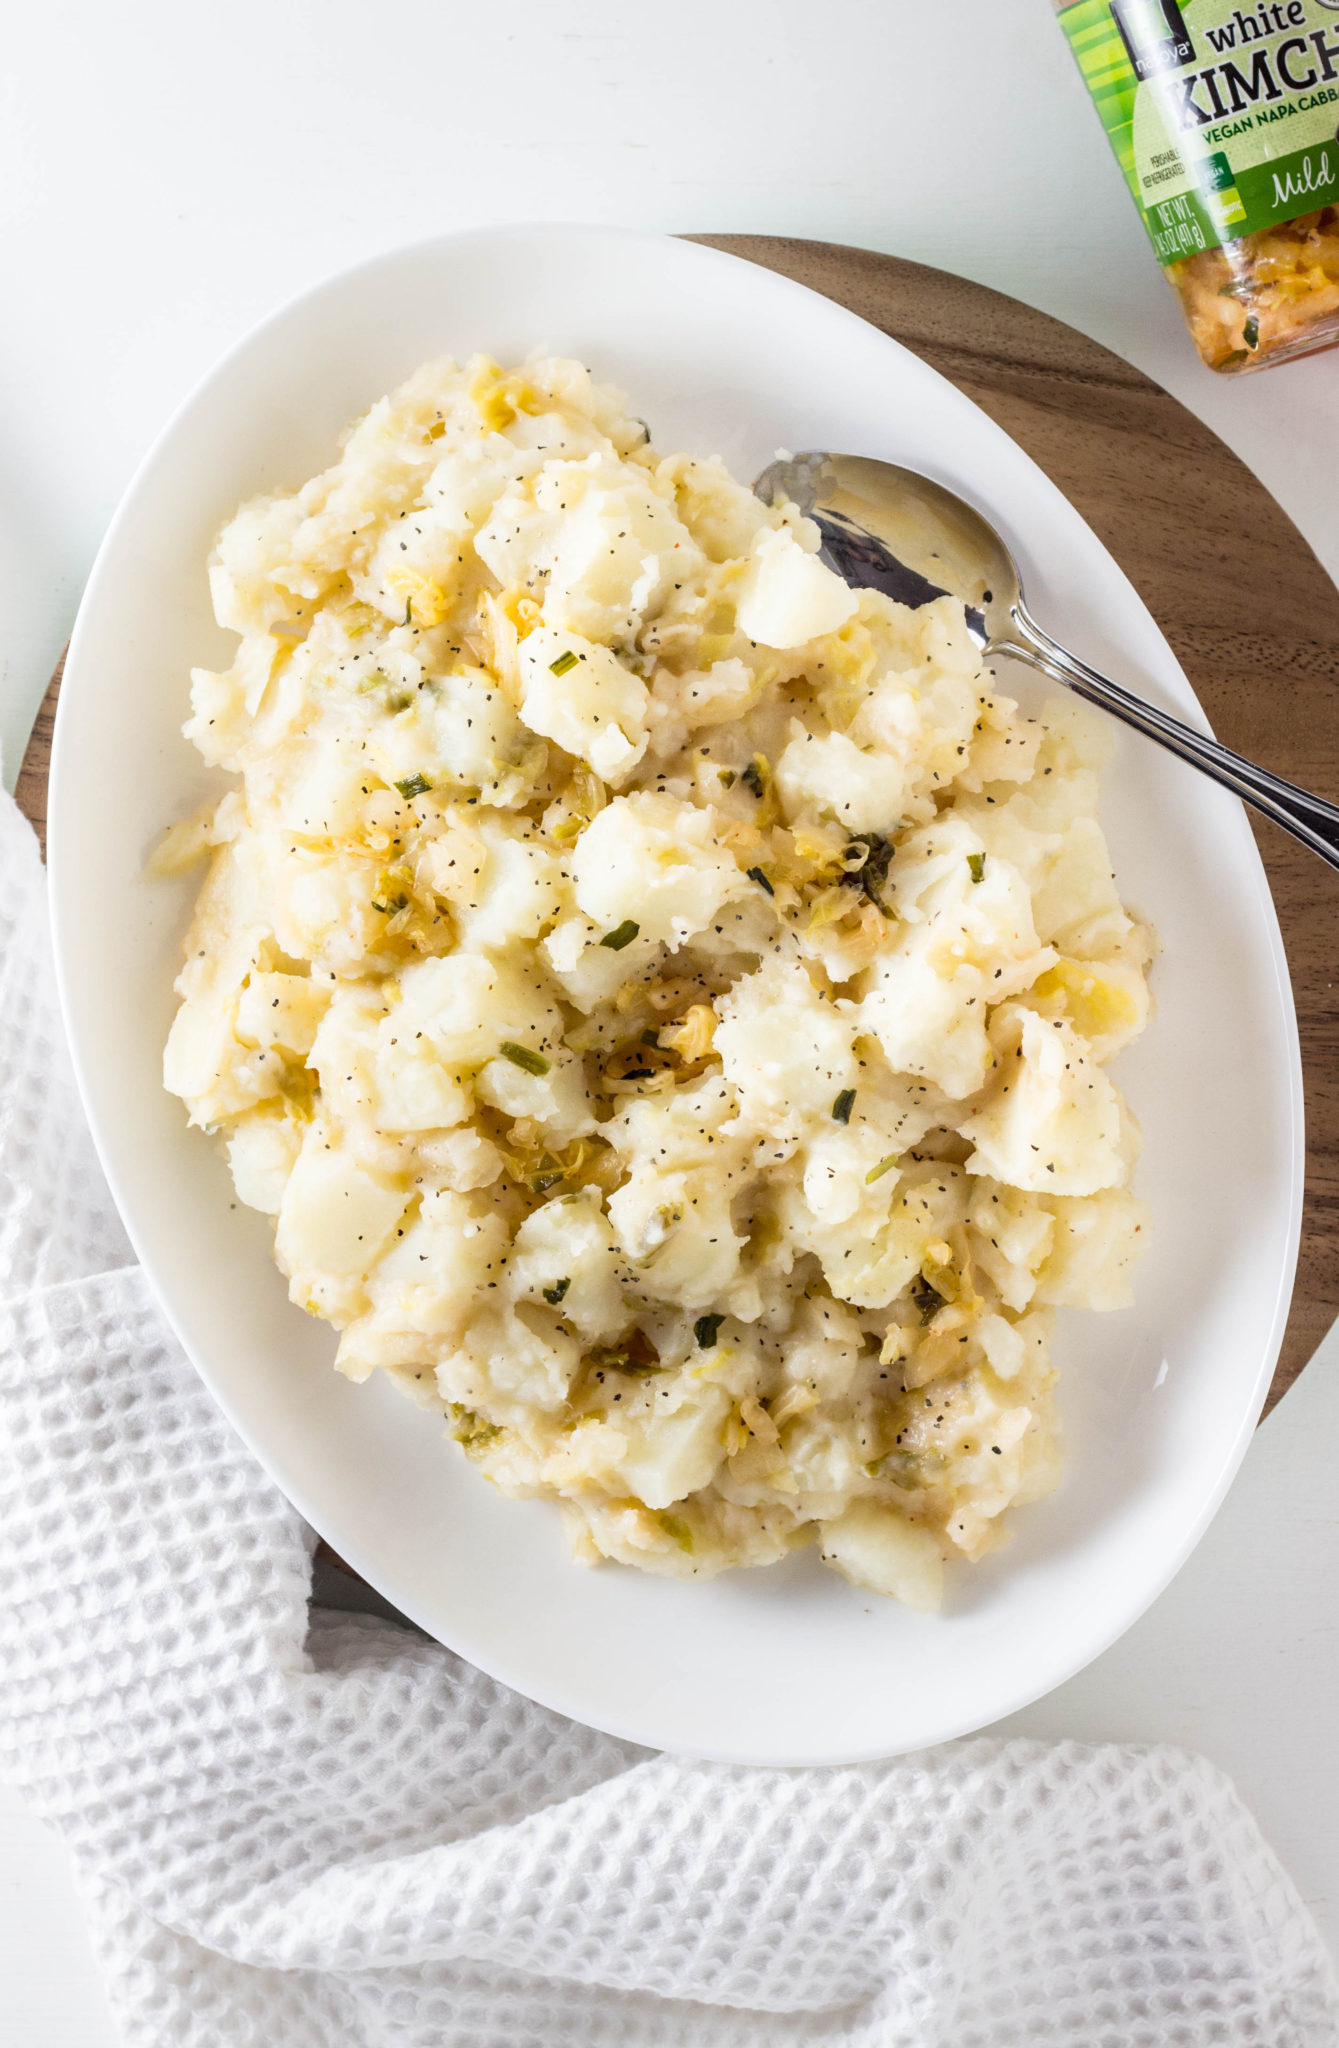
(895, 530)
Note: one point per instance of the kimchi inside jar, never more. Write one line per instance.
(1267, 298)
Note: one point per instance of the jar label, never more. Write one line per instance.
(1224, 119)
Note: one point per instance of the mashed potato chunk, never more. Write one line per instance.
(662, 996)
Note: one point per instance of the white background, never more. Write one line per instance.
(168, 173)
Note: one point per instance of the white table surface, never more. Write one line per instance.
(168, 174)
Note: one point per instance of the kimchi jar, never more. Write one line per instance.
(1225, 121)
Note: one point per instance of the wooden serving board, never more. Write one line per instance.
(1255, 625)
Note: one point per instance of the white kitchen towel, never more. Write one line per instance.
(297, 1828)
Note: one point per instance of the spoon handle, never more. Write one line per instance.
(1309, 818)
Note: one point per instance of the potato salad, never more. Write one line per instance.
(662, 996)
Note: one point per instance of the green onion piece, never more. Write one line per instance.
(757, 875)
(564, 662)
(400, 902)
(621, 936)
(878, 1172)
(408, 618)
(705, 1330)
(728, 777)
(842, 1107)
(553, 1295)
(521, 1056)
(928, 1299)
(976, 864)
(1250, 333)
(413, 785)
(871, 869)
(754, 777)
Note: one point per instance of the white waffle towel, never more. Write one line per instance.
(297, 1828)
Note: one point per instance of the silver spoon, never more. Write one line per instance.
(899, 532)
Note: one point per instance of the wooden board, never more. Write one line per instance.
(1251, 614)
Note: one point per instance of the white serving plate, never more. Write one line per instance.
(789, 1665)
